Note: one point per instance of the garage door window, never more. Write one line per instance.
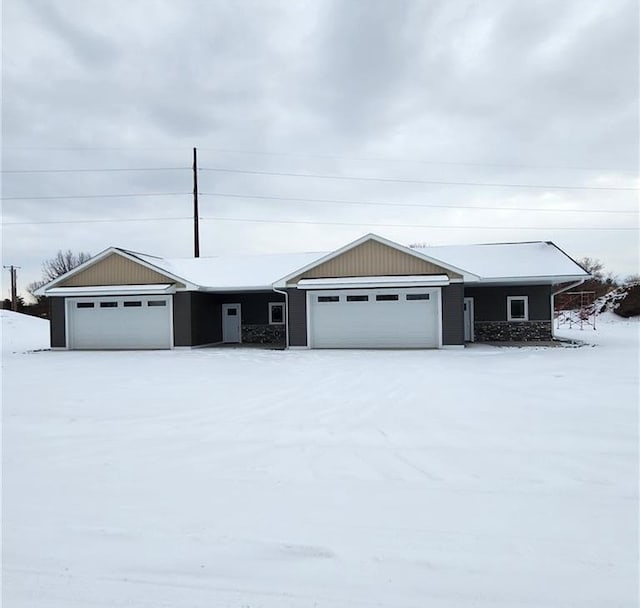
(328, 298)
(156, 303)
(387, 297)
(108, 304)
(357, 298)
(84, 305)
(417, 296)
(132, 303)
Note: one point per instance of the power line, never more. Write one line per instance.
(329, 157)
(240, 219)
(96, 221)
(95, 170)
(394, 204)
(79, 196)
(410, 181)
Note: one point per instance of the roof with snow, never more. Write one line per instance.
(540, 261)
(506, 261)
(496, 262)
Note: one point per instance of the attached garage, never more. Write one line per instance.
(375, 318)
(119, 322)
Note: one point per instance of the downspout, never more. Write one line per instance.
(286, 314)
(553, 305)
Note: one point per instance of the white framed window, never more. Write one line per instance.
(517, 308)
(276, 313)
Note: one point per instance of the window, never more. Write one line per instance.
(517, 308)
(131, 303)
(157, 303)
(84, 305)
(387, 297)
(232, 312)
(108, 304)
(328, 298)
(276, 313)
(417, 296)
(357, 298)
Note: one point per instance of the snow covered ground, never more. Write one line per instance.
(489, 477)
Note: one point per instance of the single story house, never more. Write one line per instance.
(371, 293)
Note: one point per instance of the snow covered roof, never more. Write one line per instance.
(509, 261)
(233, 272)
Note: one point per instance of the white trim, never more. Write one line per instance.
(298, 348)
(226, 306)
(525, 299)
(373, 237)
(437, 280)
(112, 290)
(439, 313)
(531, 280)
(284, 313)
(308, 319)
(453, 347)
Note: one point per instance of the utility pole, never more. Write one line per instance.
(14, 287)
(196, 227)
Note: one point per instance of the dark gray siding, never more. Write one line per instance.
(453, 314)
(254, 306)
(490, 303)
(57, 325)
(182, 319)
(297, 317)
(206, 319)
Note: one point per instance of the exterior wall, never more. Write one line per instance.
(453, 315)
(116, 270)
(254, 308)
(182, 319)
(490, 313)
(197, 318)
(57, 325)
(297, 317)
(373, 259)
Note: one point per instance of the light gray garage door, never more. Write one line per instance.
(379, 318)
(122, 322)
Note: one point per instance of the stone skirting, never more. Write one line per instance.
(263, 334)
(512, 331)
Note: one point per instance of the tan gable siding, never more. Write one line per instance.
(372, 258)
(116, 270)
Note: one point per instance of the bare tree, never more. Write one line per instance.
(62, 262)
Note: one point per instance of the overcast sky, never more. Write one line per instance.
(539, 93)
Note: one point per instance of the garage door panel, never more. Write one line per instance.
(374, 323)
(120, 323)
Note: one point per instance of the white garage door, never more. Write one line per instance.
(379, 318)
(119, 322)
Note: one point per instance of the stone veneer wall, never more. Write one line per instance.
(264, 334)
(512, 331)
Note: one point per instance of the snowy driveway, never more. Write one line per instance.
(268, 479)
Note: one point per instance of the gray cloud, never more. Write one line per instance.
(521, 91)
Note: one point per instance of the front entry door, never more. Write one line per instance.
(468, 319)
(231, 323)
